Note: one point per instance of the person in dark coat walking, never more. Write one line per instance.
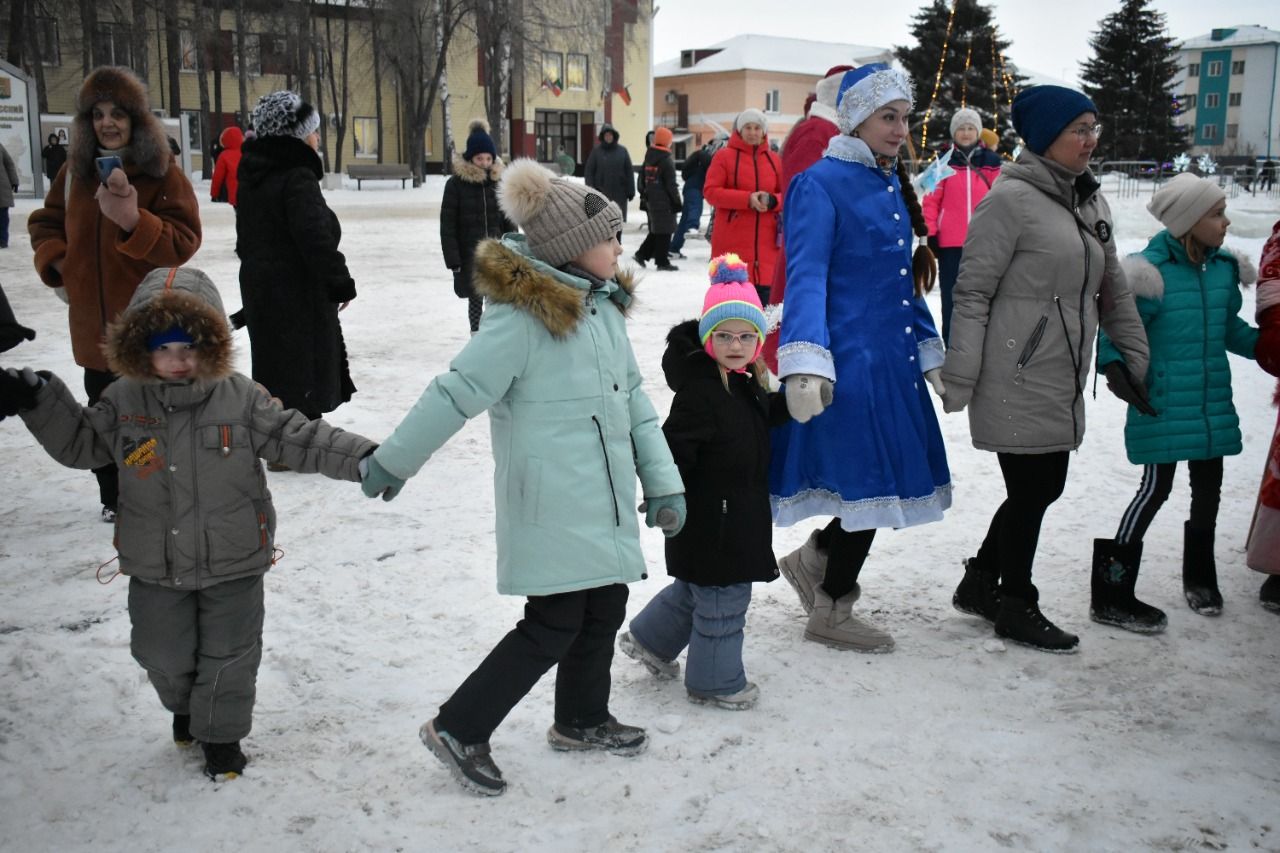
(469, 213)
(718, 431)
(609, 170)
(293, 279)
(694, 174)
(54, 154)
(657, 185)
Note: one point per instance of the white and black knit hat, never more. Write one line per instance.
(284, 113)
(560, 219)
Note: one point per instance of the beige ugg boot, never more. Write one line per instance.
(833, 624)
(804, 568)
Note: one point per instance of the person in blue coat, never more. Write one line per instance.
(857, 350)
(1188, 295)
(572, 429)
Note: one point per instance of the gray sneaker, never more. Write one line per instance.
(611, 736)
(742, 700)
(662, 669)
(469, 764)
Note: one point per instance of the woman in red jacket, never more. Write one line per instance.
(1264, 538)
(744, 185)
(224, 170)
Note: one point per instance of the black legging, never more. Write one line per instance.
(1157, 483)
(475, 308)
(846, 553)
(1032, 481)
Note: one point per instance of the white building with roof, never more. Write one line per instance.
(1229, 85)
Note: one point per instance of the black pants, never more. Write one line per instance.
(1157, 483)
(655, 248)
(95, 382)
(948, 272)
(573, 629)
(846, 553)
(1032, 481)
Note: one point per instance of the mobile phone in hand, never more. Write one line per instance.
(106, 165)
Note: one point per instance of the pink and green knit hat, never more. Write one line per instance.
(731, 296)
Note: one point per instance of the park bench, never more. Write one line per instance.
(379, 172)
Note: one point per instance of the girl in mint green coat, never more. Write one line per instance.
(1188, 294)
(571, 431)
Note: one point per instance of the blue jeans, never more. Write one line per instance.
(707, 619)
(690, 216)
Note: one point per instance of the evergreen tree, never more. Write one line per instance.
(1130, 78)
(974, 41)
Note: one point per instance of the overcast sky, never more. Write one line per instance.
(1051, 39)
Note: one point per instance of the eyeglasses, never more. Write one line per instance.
(747, 339)
(1086, 131)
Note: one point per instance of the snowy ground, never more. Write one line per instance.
(377, 611)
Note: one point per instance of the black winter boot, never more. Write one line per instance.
(1021, 621)
(1115, 573)
(182, 730)
(1199, 571)
(223, 759)
(979, 591)
(1269, 595)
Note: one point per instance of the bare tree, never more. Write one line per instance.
(173, 55)
(15, 50)
(242, 71)
(376, 53)
(338, 90)
(138, 47)
(36, 55)
(199, 35)
(88, 32)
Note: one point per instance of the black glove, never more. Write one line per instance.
(237, 320)
(1122, 384)
(18, 391)
(460, 284)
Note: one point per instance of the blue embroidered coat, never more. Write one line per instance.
(875, 457)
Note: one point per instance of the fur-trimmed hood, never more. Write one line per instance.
(148, 148)
(190, 300)
(505, 272)
(473, 174)
(685, 357)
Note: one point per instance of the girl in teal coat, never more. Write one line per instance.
(571, 430)
(1188, 294)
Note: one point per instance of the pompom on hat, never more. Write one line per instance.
(560, 219)
(731, 296)
(1040, 113)
(1183, 201)
(479, 141)
(865, 90)
(284, 113)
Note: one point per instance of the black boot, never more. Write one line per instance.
(1115, 573)
(1269, 595)
(1021, 621)
(182, 730)
(1199, 572)
(223, 759)
(979, 591)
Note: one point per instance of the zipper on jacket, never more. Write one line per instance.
(1204, 361)
(755, 260)
(604, 451)
(1033, 343)
(1075, 369)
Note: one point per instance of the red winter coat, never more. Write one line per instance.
(736, 172)
(802, 148)
(1263, 553)
(224, 171)
(948, 209)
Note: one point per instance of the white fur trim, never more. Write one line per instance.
(772, 317)
(1144, 279)
(820, 110)
(1248, 269)
(523, 190)
(828, 91)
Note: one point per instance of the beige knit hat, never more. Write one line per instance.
(1181, 203)
(561, 219)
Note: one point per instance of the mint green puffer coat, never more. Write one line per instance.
(1191, 314)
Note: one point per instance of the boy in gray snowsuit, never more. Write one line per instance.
(196, 526)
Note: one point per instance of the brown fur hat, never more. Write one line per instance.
(148, 145)
(189, 300)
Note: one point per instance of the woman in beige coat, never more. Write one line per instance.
(1040, 271)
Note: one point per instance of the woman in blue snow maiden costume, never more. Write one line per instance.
(856, 346)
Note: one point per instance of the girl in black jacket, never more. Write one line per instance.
(469, 213)
(718, 431)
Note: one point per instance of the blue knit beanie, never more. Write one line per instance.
(479, 141)
(1041, 112)
(171, 335)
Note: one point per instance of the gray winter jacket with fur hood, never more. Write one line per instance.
(194, 505)
(1039, 272)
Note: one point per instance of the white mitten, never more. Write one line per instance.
(935, 379)
(807, 395)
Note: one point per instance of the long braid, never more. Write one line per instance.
(924, 268)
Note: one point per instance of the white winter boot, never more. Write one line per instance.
(833, 624)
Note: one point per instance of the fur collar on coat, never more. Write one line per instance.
(473, 174)
(553, 297)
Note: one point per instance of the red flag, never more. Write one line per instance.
(555, 88)
(625, 95)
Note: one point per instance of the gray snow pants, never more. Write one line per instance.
(201, 650)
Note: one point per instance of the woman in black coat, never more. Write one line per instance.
(609, 169)
(293, 279)
(469, 213)
(657, 184)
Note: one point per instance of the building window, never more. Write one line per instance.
(1237, 67)
(1233, 99)
(555, 130)
(1193, 70)
(47, 40)
(364, 134)
(252, 53)
(1233, 130)
(576, 71)
(1211, 100)
(190, 60)
(1214, 69)
(1189, 101)
(195, 135)
(273, 54)
(771, 101)
(552, 70)
(1209, 131)
(111, 47)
